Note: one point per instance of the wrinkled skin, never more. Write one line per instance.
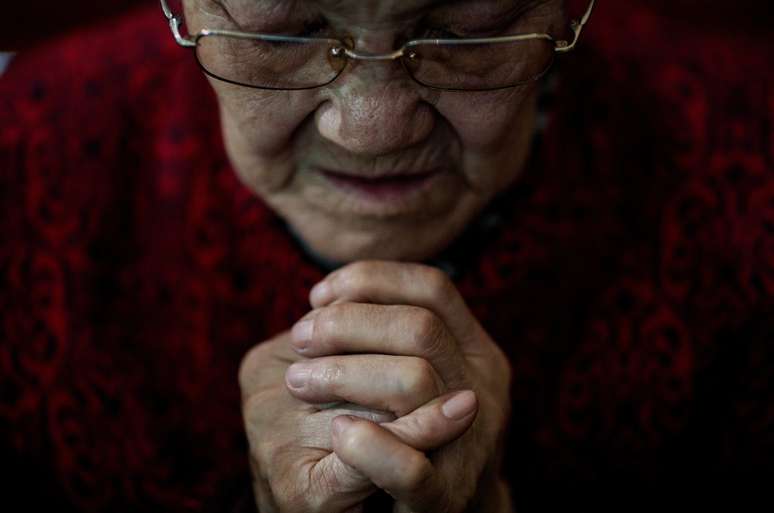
(390, 341)
(375, 118)
(398, 340)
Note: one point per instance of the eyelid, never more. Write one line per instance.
(314, 27)
(494, 25)
(219, 5)
(224, 13)
(459, 31)
(317, 23)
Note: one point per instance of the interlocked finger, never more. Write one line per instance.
(397, 384)
(402, 330)
(402, 471)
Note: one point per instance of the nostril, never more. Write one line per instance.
(373, 118)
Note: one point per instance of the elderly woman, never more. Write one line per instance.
(363, 163)
(361, 256)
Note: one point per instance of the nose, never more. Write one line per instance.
(374, 108)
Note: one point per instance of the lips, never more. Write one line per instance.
(386, 176)
(383, 187)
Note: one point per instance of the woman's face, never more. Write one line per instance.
(292, 147)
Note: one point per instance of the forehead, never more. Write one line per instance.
(382, 8)
(385, 9)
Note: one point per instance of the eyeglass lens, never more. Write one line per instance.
(270, 64)
(298, 65)
(479, 66)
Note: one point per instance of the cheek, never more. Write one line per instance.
(488, 123)
(260, 129)
(262, 122)
(495, 131)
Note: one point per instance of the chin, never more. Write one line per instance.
(402, 243)
(343, 238)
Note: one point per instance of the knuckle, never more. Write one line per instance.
(327, 480)
(253, 406)
(288, 483)
(248, 366)
(427, 330)
(438, 285)
(415, 474)
(353, 278)
(327, 323)
(421, 379)
(355, 439)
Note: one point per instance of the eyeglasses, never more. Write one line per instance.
(278, 62)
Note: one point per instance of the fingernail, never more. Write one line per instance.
(459, 405)
(298, 374)
(341, 423)
(301, 334)
(319, 293)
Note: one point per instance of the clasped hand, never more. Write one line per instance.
(389, 382)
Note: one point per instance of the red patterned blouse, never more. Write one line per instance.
(629, 275)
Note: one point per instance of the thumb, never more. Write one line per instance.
(438, 422)
(429, 427)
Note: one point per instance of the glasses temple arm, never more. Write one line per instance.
(577, 28)
(174, 25)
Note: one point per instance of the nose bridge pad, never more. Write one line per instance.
(372, 54)
(376, 107)
(374, 57)
(377, 67)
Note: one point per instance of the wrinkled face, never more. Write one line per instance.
(375, 165)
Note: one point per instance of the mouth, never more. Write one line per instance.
(386, 187)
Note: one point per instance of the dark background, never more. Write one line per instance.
(25, 23)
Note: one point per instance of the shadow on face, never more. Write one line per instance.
(374, 164)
